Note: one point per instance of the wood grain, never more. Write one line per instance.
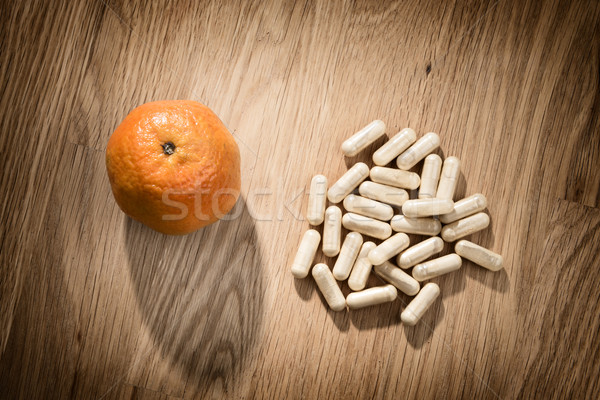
(94, 305)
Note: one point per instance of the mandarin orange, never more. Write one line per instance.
(173, 166)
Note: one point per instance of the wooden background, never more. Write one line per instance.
(95, 306)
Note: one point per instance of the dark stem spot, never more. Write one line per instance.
(168, 148)
(428, 68)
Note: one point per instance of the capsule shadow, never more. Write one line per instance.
(339, 318)
(497, 281)
(422, 332)
(379, 316)
(304, 287)
(451, 284)
(461, 187)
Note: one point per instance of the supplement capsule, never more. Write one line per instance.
(436, 267)
(332, 231)
(426, 207)
(394, 275)
(395, 177)
(368, 208)
(366, 226)
(348, 182)
(329, 287)
(389, 248)
(372, 296)
(396, 145)
(418, 151)
(362, 268)
(421, 303)
(479, 255)
(430, 176)
(465, 207)
(464, 227)
(420, 252)
(345, 261)
(418, 226)
(317, 199)
(363, 138)
(306, 253)
(449, 178)
(385, 194)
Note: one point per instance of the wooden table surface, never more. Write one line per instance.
(95, 306)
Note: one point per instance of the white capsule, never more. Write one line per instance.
(363, 138)
(394, 275)
(479, 255)
(306, 253)
(366, 226)
(384, 193)
(418, 226)
(426, 207)
(317, 200)
(332, 231)
(367, 207)
(465, 207)
(348, 182)
(345, 261)
(421, 303)
(448, 178)
(395, 177)
(329, 287)
(418, 151)
(372, 296)
(430, 176)
(420, 252)
(389, 248)
(362, 268)
(464, 227)
(436, 267)
(396, 145)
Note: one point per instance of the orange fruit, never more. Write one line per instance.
(173, 166)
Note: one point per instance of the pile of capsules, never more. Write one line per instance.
(371, 213)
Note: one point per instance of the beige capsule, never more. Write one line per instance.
(306, 254)
(345, 261)
(394, 275)
(317, 200)
(367, 207)
(363, 138)
(362, 268)
(348, 182)
(448, 178)
(420, 304)
(332, 231)
(417, 226)
(366, 226)
(479, 255)
(372, 297)
(395, 177)
(389, 248)
(426, 207)
(329, 287)
(430, 176)
(396, 145)
(383, 193)
(420, 252)
(464, 227)
(436, 267)
(465, 207)
(418, 151)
